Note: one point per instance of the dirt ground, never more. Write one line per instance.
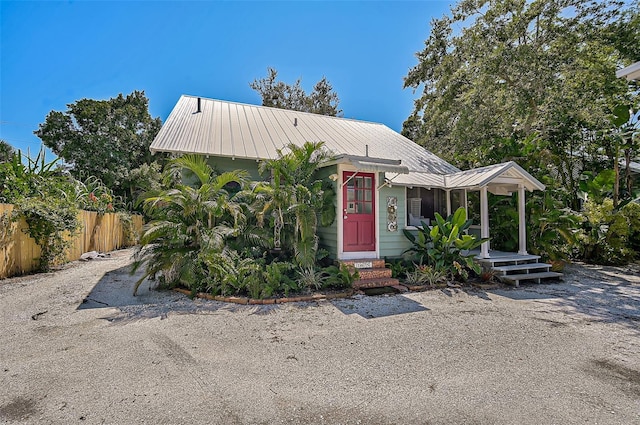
(76, 347)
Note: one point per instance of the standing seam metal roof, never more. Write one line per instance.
(237, 130)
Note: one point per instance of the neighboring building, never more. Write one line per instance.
(385, 182)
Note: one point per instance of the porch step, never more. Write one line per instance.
(508, 259)
(373, 273)
(365, 263)
(516, 278)
(513, 268)
(523, 267)
(368, 274)
(375, 283)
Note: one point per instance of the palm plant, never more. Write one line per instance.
(294, 202)
(186, 220)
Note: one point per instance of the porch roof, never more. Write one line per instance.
(367, 163)
(500, 179)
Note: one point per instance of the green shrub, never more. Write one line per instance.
(609, 235)
(48, 222)
(340, 277)
(445, 246)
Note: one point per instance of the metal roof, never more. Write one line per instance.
(500, 178)
(367, 163)
(237, 130)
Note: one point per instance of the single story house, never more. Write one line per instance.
(384, 181)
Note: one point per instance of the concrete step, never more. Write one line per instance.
(400, 289)
(365, 263)
(375, 283)
(523, 267)
(366, 274)
(516, 278)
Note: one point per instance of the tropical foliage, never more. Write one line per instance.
(44, 196)
(534, 82)
(223, 234)
(188, 222)
(445, 246)
(48, 198)
(295, 199)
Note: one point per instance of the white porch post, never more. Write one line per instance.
(484, 221)
(522, 226)
(448, 202)
(465, 201)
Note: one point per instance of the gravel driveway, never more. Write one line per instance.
(75, 347)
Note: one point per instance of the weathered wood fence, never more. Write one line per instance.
(19, 253)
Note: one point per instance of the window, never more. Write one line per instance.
(360, 195)
(423, 204)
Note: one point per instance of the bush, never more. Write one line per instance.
(50, 223)
(443, 246)
(609, 235)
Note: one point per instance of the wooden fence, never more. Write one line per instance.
(19, 253)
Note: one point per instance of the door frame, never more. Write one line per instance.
(355, 255)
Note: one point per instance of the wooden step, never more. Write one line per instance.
(366, 274)
(375, 283)
(509, 259)
(519, 267)
(365, 263)
(516, 278)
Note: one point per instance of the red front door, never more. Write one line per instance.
(358, 201)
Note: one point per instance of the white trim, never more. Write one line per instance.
(359, 255)
(465, 201)
(376, 209)
(484, 222)
(342, 255)
(340, 214)
(522, 227)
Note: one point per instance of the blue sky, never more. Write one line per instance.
(54, 53)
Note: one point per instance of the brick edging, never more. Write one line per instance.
(267, 301)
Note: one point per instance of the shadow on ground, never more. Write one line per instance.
(115, 290)
(378, 306)
(605, 294)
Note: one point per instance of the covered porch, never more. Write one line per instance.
(500, 179)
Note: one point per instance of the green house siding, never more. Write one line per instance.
(329, 235)
(392, 244)
(224, 165)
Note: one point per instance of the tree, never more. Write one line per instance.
(6, 151)
(501, 69)
(103, 138)
(277, 94)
